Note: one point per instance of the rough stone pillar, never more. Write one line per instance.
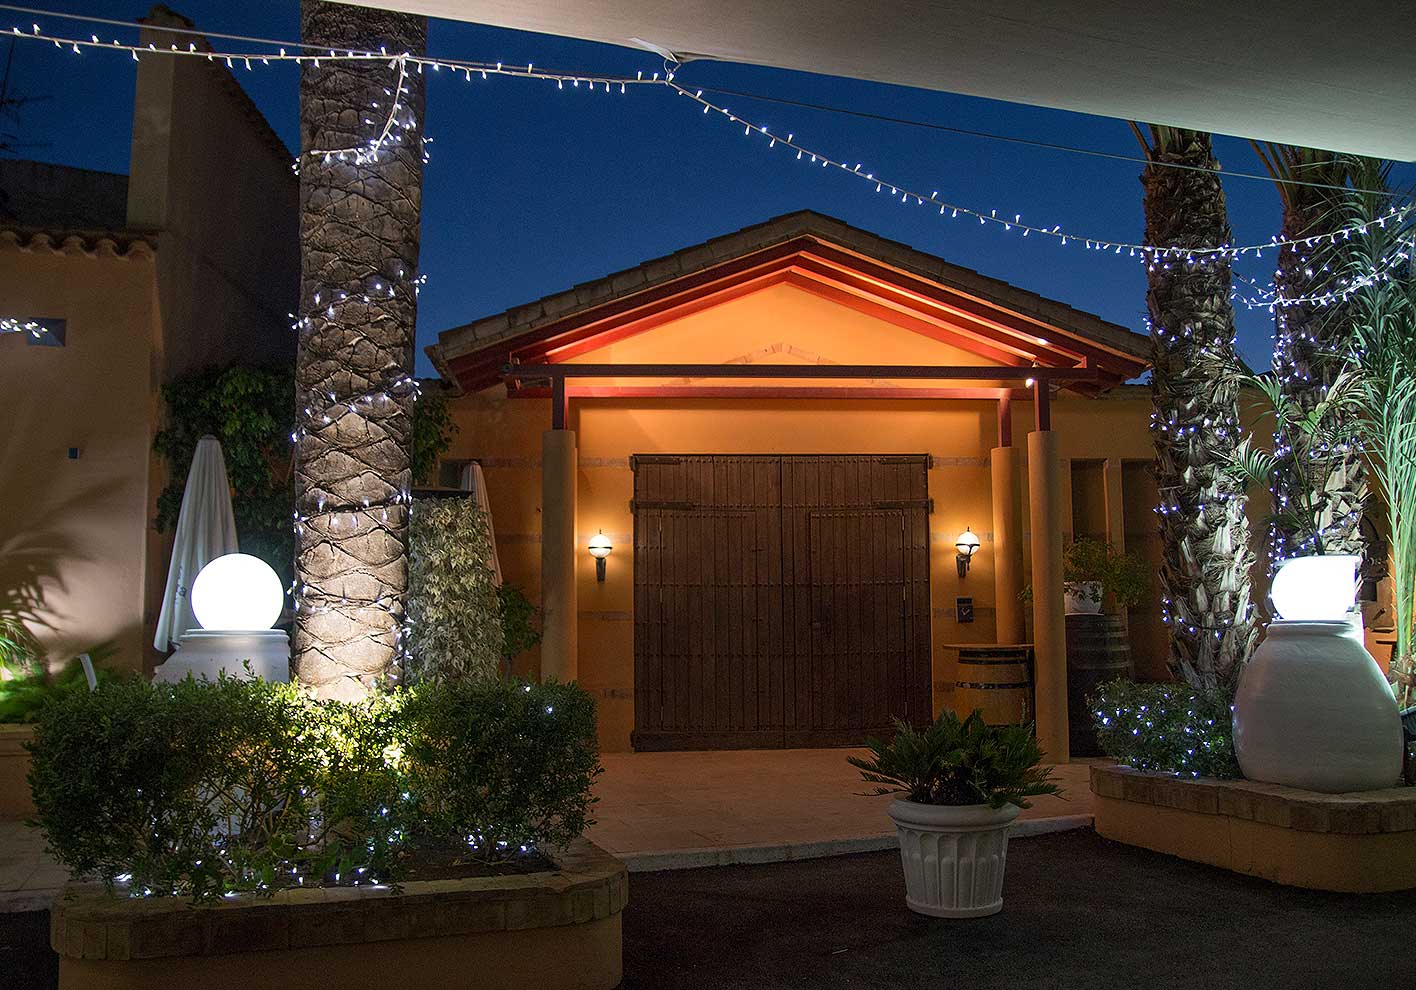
(1007, 463)
(559, 615)
(361, 178)
(1049, 612)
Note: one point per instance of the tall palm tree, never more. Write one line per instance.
(1312, 347)
(1206, 558)
(361, 174)
(1382, 313)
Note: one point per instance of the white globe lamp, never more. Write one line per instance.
(237, 591)
(237, 598)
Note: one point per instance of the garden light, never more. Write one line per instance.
(600, 547)
(237, 592)
(1315, 588)
(967, 545)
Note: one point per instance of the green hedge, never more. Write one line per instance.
(205, 789)
(1166, 727)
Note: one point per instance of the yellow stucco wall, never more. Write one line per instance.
(83, 521)
(778, 325)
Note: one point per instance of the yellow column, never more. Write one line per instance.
(1045, 495)
(1007, 548)
(558, 552)
(1115, 507)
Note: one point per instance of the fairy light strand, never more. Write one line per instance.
(609, 83)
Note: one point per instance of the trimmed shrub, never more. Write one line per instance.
(454, 613)
(205, 789)
(1166, 727)
(504, 767)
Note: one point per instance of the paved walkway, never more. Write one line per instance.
(673, 810)
(662, 811)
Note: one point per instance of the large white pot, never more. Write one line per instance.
(1314, 710)
(953, 857)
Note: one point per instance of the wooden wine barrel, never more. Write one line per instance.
(1098, 651)
(997, 680)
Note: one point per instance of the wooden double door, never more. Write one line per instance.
(779, 601)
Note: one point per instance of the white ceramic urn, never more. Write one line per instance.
(953, 857)
(1313, 709)
(1083, 599)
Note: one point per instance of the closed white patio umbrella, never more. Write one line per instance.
(206, 529)
(473, 478)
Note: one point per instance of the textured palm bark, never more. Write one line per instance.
(359, 258)
(1206, 556)
(1313, 344)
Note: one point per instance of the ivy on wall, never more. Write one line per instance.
(251, 410)
(454, 610)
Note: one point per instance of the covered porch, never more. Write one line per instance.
(782, 434)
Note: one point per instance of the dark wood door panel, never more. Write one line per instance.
(778, 599)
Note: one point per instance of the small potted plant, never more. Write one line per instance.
(963, 783)
(1091, 570)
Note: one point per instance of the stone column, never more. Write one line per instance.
(1007, 548)
(1049, 613)
(559, 615)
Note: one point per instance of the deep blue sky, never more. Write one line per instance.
(531, 190)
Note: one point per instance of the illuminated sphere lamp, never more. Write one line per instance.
(1313, 709)
(600, 547)
(237, 591)
(236, 598)
(967, 545)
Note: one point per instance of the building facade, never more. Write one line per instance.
(782, 433)
(184, 263)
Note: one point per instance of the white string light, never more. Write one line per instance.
(11, 325)
(608, 83)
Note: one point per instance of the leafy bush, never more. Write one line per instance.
(503, 767)
(1087, 562)
(1166, 727)
(207, 788)
(454, 614)
(957, 762)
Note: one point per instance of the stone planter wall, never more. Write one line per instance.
(547, 930)
(1359, 842)
(15, 802)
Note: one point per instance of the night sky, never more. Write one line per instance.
(531, 190)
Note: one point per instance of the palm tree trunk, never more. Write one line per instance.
(359, 214)
(1312, 345)
(1206, 557)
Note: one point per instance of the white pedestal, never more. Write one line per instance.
(209, 652)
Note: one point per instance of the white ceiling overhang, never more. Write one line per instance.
(1338, 76)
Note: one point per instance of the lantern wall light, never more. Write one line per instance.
(600, 547)
(967, 545)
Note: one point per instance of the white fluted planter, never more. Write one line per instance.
(1085, 600)
(953, 857)
(1314, 710)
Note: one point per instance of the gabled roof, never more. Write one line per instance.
(1002, 323)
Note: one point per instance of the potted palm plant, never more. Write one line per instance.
(963, 782)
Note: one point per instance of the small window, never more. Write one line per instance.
(37, 332)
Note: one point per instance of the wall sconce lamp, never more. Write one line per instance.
(967, 544)
(600, 547)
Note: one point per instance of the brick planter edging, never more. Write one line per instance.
(1368, 813)
(86, 923)
(1357, 843)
